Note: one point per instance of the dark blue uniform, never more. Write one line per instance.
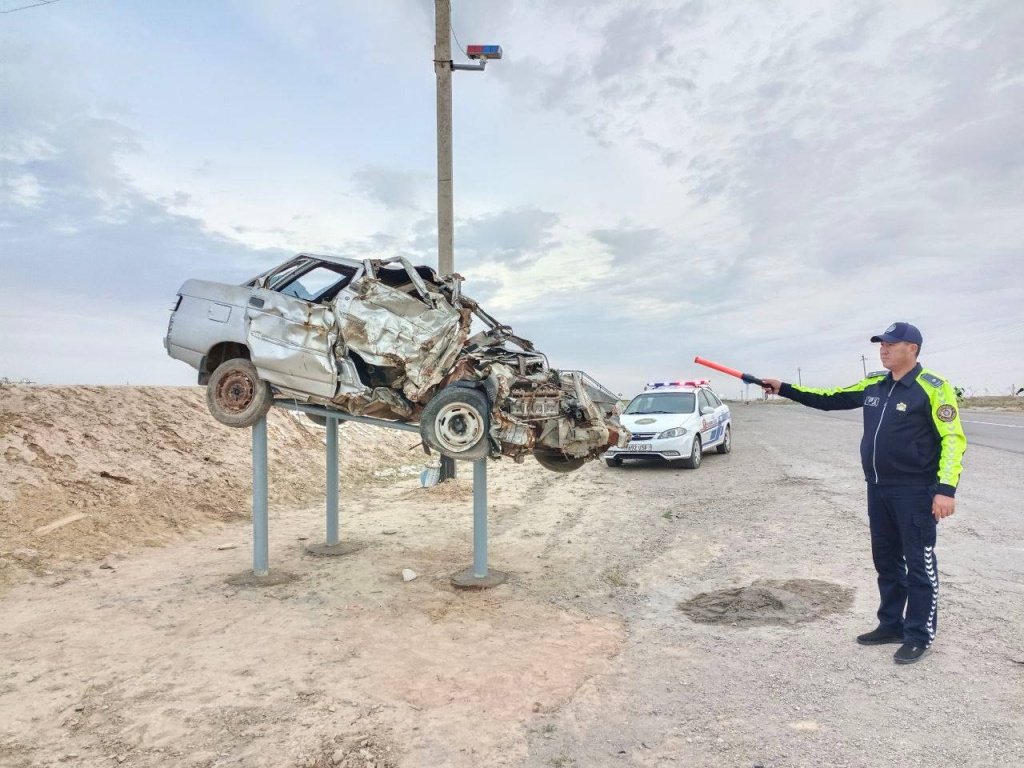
(911, 450)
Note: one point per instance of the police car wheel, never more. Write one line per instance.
(696, 453)
(726, 445)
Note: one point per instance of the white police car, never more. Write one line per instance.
(674, 421)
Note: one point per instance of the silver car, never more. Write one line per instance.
(382, 338)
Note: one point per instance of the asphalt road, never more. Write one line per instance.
(1002, 430)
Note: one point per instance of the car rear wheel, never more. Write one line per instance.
(726, 445)
(696, 452)
(558, 462)
(236, 395)
(456, 422)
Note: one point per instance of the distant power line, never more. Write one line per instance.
(33, 5)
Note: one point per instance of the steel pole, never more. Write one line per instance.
(332, 481)
(480, 518)
(260, 524)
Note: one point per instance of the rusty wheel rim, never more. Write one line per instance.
(236, 392)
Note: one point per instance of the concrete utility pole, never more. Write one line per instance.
(445, 198)
(799, 379)
(443, 68)
(864, 365)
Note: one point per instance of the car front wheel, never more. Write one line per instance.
(456, 422)
(696, 452)
(236, 395)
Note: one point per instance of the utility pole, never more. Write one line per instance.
(443, 68)
(799, 380)
(864, 365)
(445, 199)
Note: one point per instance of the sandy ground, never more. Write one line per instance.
(653, 616)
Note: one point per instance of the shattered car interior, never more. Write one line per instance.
(386, 339)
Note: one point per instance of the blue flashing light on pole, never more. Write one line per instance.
(483, 51)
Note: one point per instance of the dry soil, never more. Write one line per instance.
(652, 617)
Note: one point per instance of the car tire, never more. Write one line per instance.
(236, 395)
(558, 462)
(456, 423)
(696, 453)
(613, 462)
(726, 446)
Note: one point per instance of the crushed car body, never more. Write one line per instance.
(386, 339)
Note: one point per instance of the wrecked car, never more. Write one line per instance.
(386, 339)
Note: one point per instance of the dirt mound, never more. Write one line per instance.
(88, 471)
(769, 602)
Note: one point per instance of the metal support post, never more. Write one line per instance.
(480, 519)
(260, 522)
(333, 545)
(332, 482)
(479, 576)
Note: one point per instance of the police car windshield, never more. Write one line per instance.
(662, 402)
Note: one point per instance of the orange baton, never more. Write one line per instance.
(746, 377)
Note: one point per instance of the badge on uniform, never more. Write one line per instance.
(873, 401)
(946, 413)
(901, 406)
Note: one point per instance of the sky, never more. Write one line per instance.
(636, 183)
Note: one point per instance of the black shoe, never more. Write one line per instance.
(879, 637)
(909, 653)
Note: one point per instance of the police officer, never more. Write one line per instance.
(911, 451)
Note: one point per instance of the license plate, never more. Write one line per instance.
(638, 447)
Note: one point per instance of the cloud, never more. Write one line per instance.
(510, 236)
(90, 262)
(392, 187)
(638, 182)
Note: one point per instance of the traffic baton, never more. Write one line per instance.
(746, 377)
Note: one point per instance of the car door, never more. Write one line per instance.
(710, 430)
(722, 414)
(292, 330)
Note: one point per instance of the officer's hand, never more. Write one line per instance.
(771, 386)
(943, 506)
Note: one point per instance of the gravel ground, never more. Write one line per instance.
(653, 616)
(788, 504)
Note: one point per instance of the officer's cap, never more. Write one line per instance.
(899, 332)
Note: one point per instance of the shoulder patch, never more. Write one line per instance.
(945, 413)
(932, 379)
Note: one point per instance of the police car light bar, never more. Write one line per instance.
(691, 383)
(659, 384)
(483, 51)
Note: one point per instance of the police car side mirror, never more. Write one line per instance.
(707, 409)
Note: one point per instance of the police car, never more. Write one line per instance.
(675, 421)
